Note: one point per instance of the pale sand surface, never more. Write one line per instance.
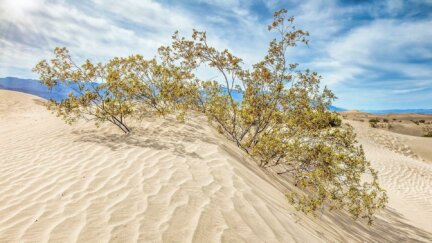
(174, 182)
(404, 169)
(399, 123)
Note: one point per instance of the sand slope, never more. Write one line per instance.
(172, 182)
(403, 172)
(167, 182)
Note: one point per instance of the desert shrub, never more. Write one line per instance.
(416, 122)
(374, 122)
(427, 131)
(114, 91)
(284, 119)
(335, 120)
(421, 121)
(385, 120)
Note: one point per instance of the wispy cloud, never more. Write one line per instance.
(384, 55)
(372, 53)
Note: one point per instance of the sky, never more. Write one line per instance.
(372, 54)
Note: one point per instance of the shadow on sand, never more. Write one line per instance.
(161, 136)
(389, 226)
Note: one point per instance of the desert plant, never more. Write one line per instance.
(284, 119)
(90, 99)
(416, 122)
(385, 120)
(421, 121)
(335, 121)
(374, 122)
(114, 91)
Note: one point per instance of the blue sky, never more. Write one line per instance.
(372, 54)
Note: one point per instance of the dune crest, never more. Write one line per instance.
(170, 181)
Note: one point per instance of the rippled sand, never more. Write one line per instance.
(173, 182)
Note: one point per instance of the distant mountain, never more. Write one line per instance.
(59, 92)
(335, 108)
(399, 111)
(34, 87)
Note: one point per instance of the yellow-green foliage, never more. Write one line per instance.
(283, 119)
(116, 90)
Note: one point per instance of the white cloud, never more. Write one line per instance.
(390, 53)
(100, 30)
(146, 13)
(382, 46)
(29, 37)
(405, 91)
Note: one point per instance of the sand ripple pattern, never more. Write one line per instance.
(391, 141)
(407, 178)
(167, 182)
(170, 182)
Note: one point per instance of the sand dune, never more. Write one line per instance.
(174, 182)
(397, 123)
(406, 176)
(402, 116)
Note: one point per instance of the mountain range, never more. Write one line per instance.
(34, 87)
